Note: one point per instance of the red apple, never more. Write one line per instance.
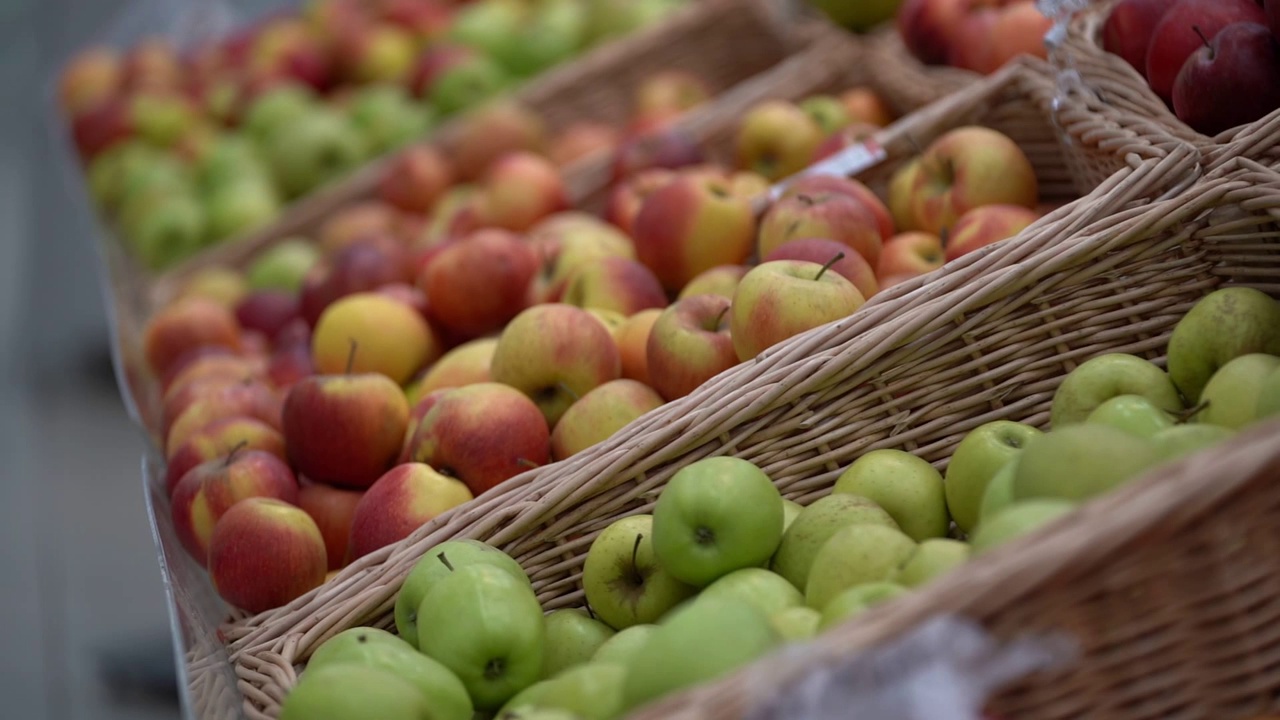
(1233, 80)
(464, 365)
(101, 126)
(821, 215)
(986, 225)
(519, 190)
(416, 180)
(494, 131)
(632, 338)
(244, 399)
(332, 509)
(666, 148)
(208, 362)
(596, 416)
(362, 267)
(406, 498)
(216, 440)
(908, 255)
(264, 554)
(689, 344)
(927, 26)
(820, 250)
(286, 47)
(692, 225)
(866, 107)
(345, 429)
(628, 196)
(967, 168)
(153, 64)
(1128, 29)
(267, 311)
(614, 283)
(496, 260)
(1175, 38)
(853, 189)
(209, 489)
(355, 222)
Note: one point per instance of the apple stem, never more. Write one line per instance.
(724, 311)
(568, 390)
(527, 463)
(1186, 415)
(232, 454)
(1204, 39)
(351, 355)
(591, 613)
(944, 236)
(446, 562)
(832, 261)
(635, 552)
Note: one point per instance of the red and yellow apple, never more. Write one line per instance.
(823, 215)
(216, 440)
(690, 226)
(265, 553)
(519, 190)
(596, 416)
(185, 326)
(910, 254)
(613, 283)
(820, 250)
(332, 509)
(777, 139)
(406, 498)
(464, 365)
(985, 225)
(475, 286)
(209, 489)
(345, 429)
(689, 344)
(416, 179)
(779, 300)
(967, 168)
(633, 344)
(720, 280)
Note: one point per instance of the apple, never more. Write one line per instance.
(211, 488)
(348, 691)
(821, 215)
(152, 64)
(573, 638)
(162, 117)
(1181, 440)
(497, 260)
(851, 266)
(628, 196)
(986, 225)
(102, 127)
(1103, 377)
(217, 439)
(312, 150)
(398, 503)
(790, 510)
(264, 553)
(933, 557)
(185, 326)
(781, 299)
(464, 365)
(908, 488)
(622, 578)
(290, 362)
(416, 179)
(632, 338)
(245, 399)
(1133, 414)
(387, 118)
(555, 354)
(975, 462)
(828, 112)
(864, 105)
(669, 92)
(768, 592)
(370, 332)
(927, 27)
(901, 196)
(485, 626)
(721, 280)
(910, 254)
(999, 492)
(1018, 519)
(815, 525)
(488, 26)
(776, 139)
(857, 600)
(345, 429)
(431, 569)
(1129, 28)
(239, 207)
(275, 108)
(1018, 28)
(796, 624)
(698, 536)
(519, 190)
(1269, 396)
(698, 643)
(1230, 398)
(855, 555)
(357, 223)
(816, 186)
(689, 344)
(1175, 38)
(373, 53)
(286, 47)
(88, 79)
(1232, 80)
(663, 148)
(614, 283)
(209, 362)
(581, 140)
(332, 509)
(603, 411)
(267, 311)
(553, 32)
(493, 131)
(1222, 326)
(220, 284)
(591, 692)
(965, 168)
(481, 434)
(378, 649)
(456, 78)
(624, 644)
(1078, 462)
(852, 134)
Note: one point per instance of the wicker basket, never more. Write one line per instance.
(898, 373)
(1127, 98)
(906, 83)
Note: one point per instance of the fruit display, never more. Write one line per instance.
(1215, 63)
(184, 147)
(723, 570)
(976, 35)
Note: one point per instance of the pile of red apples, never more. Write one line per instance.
(1215, 62)
(407, 362)
(977, 35)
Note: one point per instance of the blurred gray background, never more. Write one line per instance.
(87, 629)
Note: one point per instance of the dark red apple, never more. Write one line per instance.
(1128, 29)
(669, 148)
(1175, 38)
(267, 311)
(1232, 80)
(1272, 8)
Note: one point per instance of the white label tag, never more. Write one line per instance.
(848, 162)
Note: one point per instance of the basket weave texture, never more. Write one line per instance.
(907, 83)
(987, 337)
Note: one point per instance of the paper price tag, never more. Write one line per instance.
(848, 162)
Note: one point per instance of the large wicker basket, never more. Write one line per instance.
(984, 338)
(1128, 98)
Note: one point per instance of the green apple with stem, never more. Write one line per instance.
(999, 491)
(1078, 462)
(351, 692)
(857, 600)
(933, 558)
(796, 623)
(815, 525)
(1101, 378)
(623, 581)
(699, 642)
(908, 488)
(622, 646)
(855, 555)
(1133, 414)
(715, 516)
(1018, 519)
(1230, 398)
(486, 626)
(769, 592)
(573, 637)
(1224, 325)
(429, 570)
(982, 452)
(1181, 440)
(379, 649)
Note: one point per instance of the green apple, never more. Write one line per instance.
(857, 600)
(527, 700)
(622, 579)
(621, 647)
(715, 516)
(467, 84)
(790, 510)
(699, 642)
(239, 207)
(148, 181)
(1231, 395)
(312, 150)
(858, 16)
(1181, 440)
(934, 557)
(277, 108)
(908, 488)
(815, 525)
(381, 650)
(110, 172)
(857, 554)
(352, 692)
(283, 266)
(489, 25)
(982, 452)
(1016, 520)
(828, 112)
(591, 692)
(168, 231)
(533, 713)
(1103, 377)
(387, 117)
(1133, 414)
(1224, 325)
(554, 32)
(486, 626)
(1080, 461)
(231, 159)
(769, 592)
(1269, 396)
(999, 491)
(430, 569)
(796, 623)
(573, 637)
(615, 18)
